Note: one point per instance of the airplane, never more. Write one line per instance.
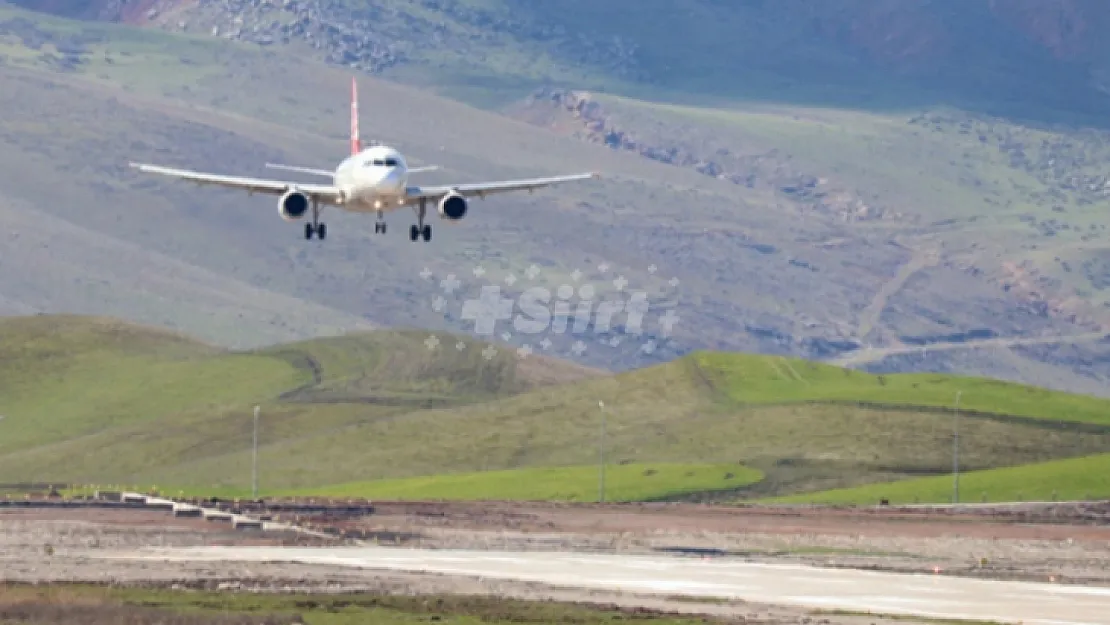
(371, 179)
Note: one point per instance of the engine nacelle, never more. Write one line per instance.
(452, 206)
(293, 205)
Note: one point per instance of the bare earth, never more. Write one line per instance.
(1075, 549)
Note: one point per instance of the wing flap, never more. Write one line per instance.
(490, 188)
(324, 193)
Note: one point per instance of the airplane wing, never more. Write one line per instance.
(303, 170)
(327, 194)
(482, 189)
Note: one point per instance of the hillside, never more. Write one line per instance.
(869, 53)
(765, 225)
(106, 402)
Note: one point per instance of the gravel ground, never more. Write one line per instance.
(54, 546)
(981, 542)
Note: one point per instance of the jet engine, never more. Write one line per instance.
(452, 206)
(293, 205)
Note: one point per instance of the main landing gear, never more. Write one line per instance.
(315, 227)
(420, 230)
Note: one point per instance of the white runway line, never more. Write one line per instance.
(844, 589)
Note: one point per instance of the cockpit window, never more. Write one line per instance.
(388, 162)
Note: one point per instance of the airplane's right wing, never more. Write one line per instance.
(482, 189)
(325, 194)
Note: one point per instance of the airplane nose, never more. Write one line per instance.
(391, 179)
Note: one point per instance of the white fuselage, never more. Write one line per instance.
(373, 180)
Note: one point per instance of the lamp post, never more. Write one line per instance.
(956, 451)
(601, 457)
(254, 457)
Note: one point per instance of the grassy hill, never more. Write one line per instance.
(1074, 479)
(121, 404)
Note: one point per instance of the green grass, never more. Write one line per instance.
(761, 380)
(1061, 480)
(68, 603)
(104, 374)
(629, 482)
(93, 401)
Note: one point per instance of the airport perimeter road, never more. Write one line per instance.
(934, 596)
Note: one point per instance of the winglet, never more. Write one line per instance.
(356, 144)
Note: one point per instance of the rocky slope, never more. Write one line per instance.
(1017, 44)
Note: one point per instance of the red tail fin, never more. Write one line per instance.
(356, 144)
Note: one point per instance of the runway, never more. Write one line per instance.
(933, 596)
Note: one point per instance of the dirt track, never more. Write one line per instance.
(963, 544)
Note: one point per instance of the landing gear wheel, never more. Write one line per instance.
(379, 228)
(308, 230)
(419, 230)
(322, 231)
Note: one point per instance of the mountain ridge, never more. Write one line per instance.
(909, 43)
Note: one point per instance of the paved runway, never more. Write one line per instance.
(933, 596)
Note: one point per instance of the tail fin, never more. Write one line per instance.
(356, 143)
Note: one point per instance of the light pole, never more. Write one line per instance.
(956, 451)
(601, 457)
(254, 457)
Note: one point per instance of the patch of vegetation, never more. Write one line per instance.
(623, 482)
(67, 377)
(380, 415)
(749, 379)
(57, 604)
(1073, 479)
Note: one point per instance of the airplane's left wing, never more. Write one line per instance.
(482, 189)
(327, 194)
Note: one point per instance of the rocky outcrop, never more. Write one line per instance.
(771, 169)
(913, 37)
